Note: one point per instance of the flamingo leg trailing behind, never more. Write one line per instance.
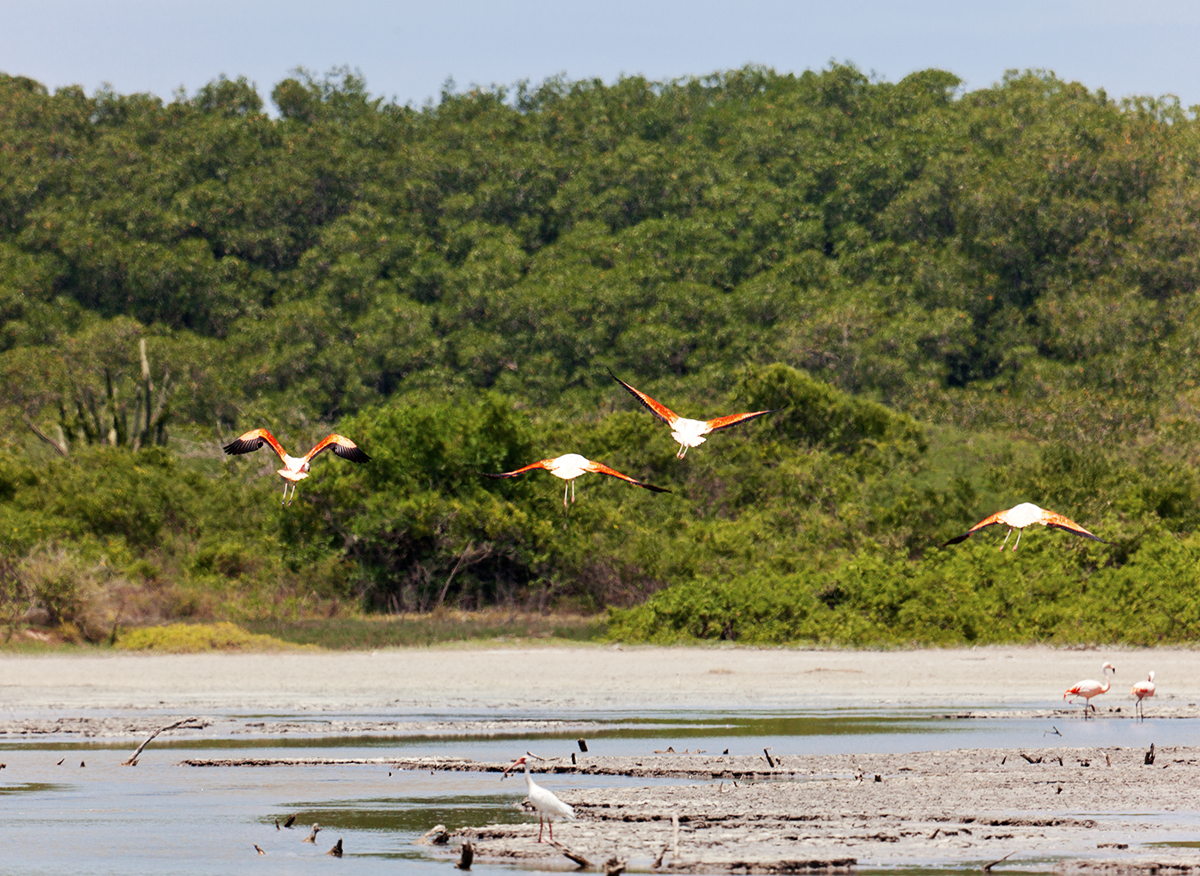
(1021, 516)
(1141, 691)
(547, 805)
(295, 469)
(570, 467)
(1091, 688)
(689, 433)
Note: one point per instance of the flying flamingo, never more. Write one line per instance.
(1091, 688)
(547, 805)
(295, 469)
(1025, 514)
(570, 467)
(689, 433)
(1142, 690)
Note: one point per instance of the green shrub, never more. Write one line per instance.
(193, 638)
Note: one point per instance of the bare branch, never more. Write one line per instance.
(189, 723)
(61, 448)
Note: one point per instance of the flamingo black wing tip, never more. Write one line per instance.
(1079, 532)
(624, 384)
(234, 448)
(354, 454)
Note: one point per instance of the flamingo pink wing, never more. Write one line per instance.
(253, 440)
(342, 446)
(601, 468)
(661, 411)
(1057, 521)
(545, 463)
(987, 521)
(734, 419)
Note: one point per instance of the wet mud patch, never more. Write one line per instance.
(1088, 810)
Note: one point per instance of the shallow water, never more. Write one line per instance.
(163, 818)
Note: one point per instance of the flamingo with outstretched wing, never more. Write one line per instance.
(571, 466)
(1021, 516)
(689, 433)
(295, 468)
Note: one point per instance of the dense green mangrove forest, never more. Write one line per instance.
(958, 301)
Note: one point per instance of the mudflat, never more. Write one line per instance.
(588, 676)
(1085, 810)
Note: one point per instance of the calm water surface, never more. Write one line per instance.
(89, 815)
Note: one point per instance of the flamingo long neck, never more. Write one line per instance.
(1107, 681)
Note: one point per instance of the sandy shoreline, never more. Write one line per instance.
(592, 677)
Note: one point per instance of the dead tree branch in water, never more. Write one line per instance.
(186, 723)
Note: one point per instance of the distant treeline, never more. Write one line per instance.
(961, 300)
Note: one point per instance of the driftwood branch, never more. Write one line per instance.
(987, 868)
(574, 856)
(189, 723)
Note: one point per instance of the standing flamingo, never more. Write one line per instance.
(570, 467)
(689, 433)
(547, 805)
(1025, 514)
(295, 468)
(1141, 691)
(1091, 688)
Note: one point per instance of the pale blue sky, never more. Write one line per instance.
(406, 50)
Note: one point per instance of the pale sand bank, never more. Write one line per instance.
(588, 677)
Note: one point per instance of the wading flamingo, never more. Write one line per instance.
(689, 433)
(1091, 688)
(570, 467)
(295, 469)
(1141, 691)
(1026, 514)
(547, 805)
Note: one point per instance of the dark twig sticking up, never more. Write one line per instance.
(468, 855)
